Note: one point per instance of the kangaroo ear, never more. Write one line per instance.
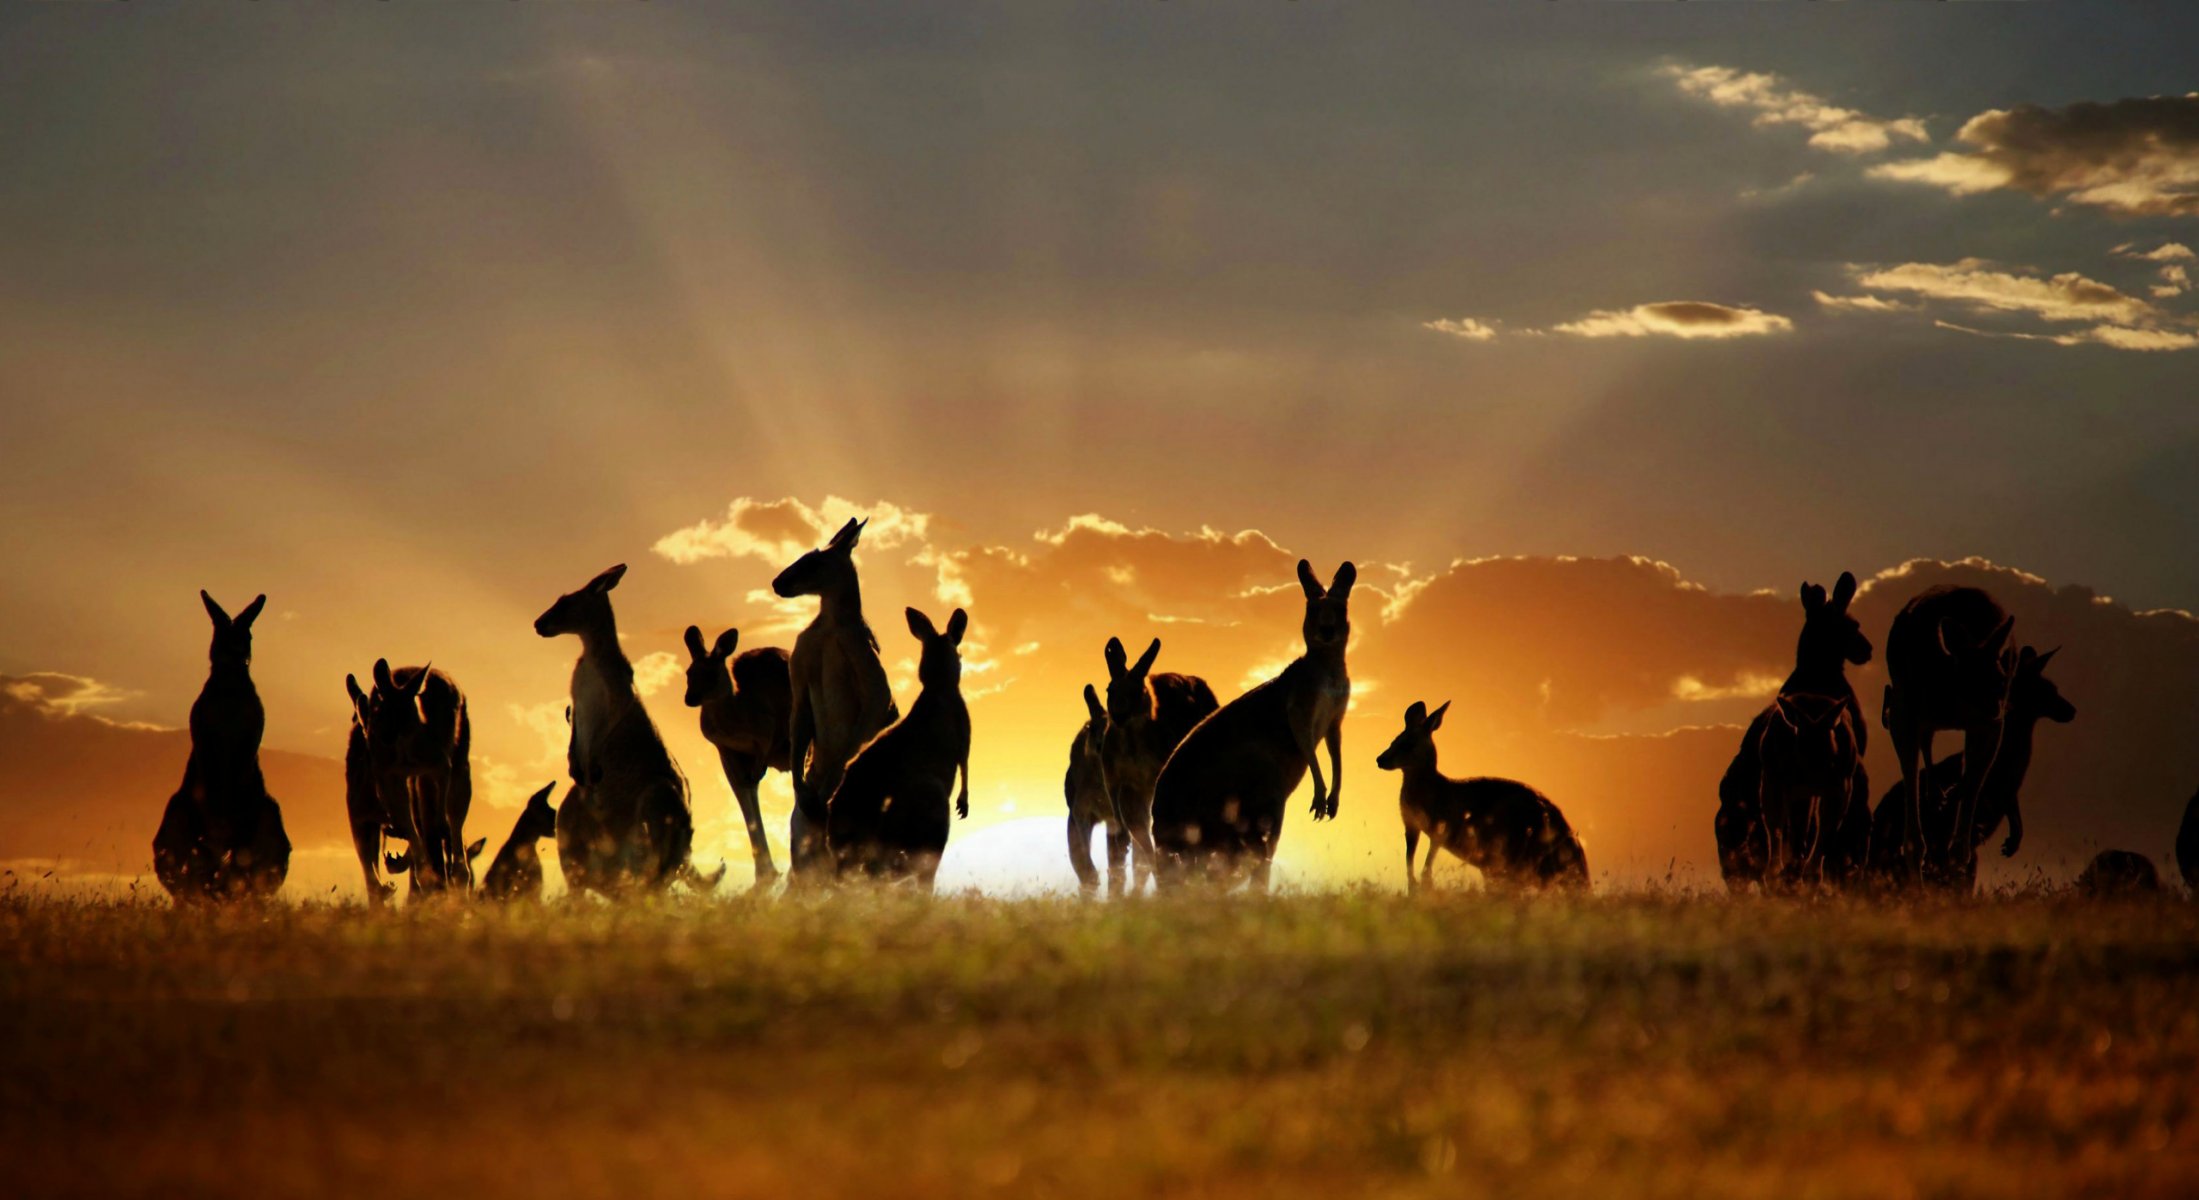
(1416, 714)
(382, 677)
(221, 619)
(1346, 575)
(541, 799)
(2046, 658)
(1308, 582)
(419, 680)
(922, 626)
(2026, 656)
(727, 643)
(1813, 598)
(693, 640)
(1435, 719)
(1145, 660)
(358, 698)
(1844, 590)
(849, 534)
(474, 851)
(251, 612)
(957, 625)
(1118, 663)
(608, 580)
(1092, 703)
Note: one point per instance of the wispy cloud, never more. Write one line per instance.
(1677, 318)
(2118, 320)
(1778, 103)
(1874, 304)
(1462, 327)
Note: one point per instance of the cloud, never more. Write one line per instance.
(2116, 336)
(1690, 319)
(2174, 275)
(1462, 327)
(1776, 103)
(1875, 304)
(2118, 320)
(653, 672)
(2132, 157)
(779, 531)
(52, 694)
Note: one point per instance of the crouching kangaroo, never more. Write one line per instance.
(1512, 833)
(1220, 797)
(889, 815)
(517, 872)
(221, 836)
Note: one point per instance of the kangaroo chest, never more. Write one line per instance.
(847, 692)
(594, 712)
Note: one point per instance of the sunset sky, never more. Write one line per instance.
(414, 316)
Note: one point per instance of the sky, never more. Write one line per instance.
(414, 316)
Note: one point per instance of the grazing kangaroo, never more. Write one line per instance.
(2187, 844)
(1084, 785)
(516, 874)
(889, 814)
(1512, 833)
(371, 824)
(626, 822)
(2032, 697)
(1220, 797)
(1947, 667)
(1830, 640)
(2119, 875)
(419, 742)
(1147, 717)
(221, 836)
(841, 697)
(746, 708)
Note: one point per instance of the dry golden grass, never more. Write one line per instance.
(1302, 1046)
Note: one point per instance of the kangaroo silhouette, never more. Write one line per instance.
(2119, 875)
(1084, 786)
(516, 872)
(889, 817)
(1813, 725)
(1947, 667)
(2032, 697)
(372, 825)
(626, 823)
(2187, 844)
(418, 751)
(221, 836)
(841, 696)
(746, 706)
(1219, 800)
(1510, 832)
(1148, 716)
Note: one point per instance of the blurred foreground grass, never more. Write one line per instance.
(1303, 1046)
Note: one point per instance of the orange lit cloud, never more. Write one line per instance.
(1774, 103)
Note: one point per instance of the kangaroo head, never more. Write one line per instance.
(1830, 635)
(1415, 744)
(584, 611)
(538, 820)
(1128, 699)
(707, 677)
(828, 568)
(2032, 695)
(395, 704)
(232, 635)
(1328, 620)
(941, 663)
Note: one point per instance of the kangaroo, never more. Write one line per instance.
(1947, 667)
(2032, 697)
(1147, 717)
(841, 697)
(2119, 875)
(372, 825)
(746, 713)
(516, 873)
(419, 741)
(1808, 761)
(2187, 844)
(1084, 785)
(1830, 639)
(889, 814)
(398, 864)
(1512, 833)
(222, 836)
(626, 823)
(1220, 797)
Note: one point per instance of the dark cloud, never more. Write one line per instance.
(2136, 157)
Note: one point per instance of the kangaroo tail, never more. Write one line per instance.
(699, 881)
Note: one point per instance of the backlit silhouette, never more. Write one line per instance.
(1219, 800)
(626, 822)
(1148, 715)
(419, 741)
(372, 824)
(841, 697)
(222, 834)
(2119, 874)
(2187, 844)
(1947, 667)
(1512, 833)
(1084, 786)
(746, 708)
(517, 872)
(889, 815)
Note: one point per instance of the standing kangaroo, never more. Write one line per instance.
(1947, 667)
(746, 709)
(516, 874)
(222, 834)
(1808, 797)
(1148, 716)
(841, 697)
(1220, 796)
(419, 742)
(371, 824)
(1084, 785)
(2187, 845)
(889, 814)
(1830, 640)
(2032, 698)
(626, 822)
(1512, 833)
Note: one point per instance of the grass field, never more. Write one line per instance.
(1303, 1046)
